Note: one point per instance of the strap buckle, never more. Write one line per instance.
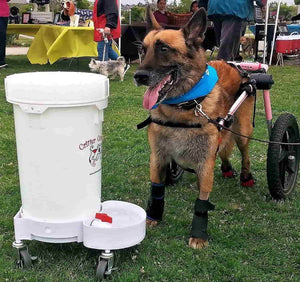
(199, 111)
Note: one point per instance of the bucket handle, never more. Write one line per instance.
(33, 109)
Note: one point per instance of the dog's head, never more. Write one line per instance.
(94, 65)
(243, 40)
(121, 60)
(174, 60)
(68, 6)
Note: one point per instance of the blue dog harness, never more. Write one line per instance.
(203, 87)
(188, 100)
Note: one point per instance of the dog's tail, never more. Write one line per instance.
(126, 68)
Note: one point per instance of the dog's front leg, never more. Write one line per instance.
(156, 202)
(199, 236)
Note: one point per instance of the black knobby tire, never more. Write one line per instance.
(101, 269)
(283, 160)
(173, 173)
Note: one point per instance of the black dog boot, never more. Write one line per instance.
(156, 202)
(200, 219)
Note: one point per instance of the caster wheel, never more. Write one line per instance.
(101, 269)
(174, 173)
(25, 260)
(283, 160)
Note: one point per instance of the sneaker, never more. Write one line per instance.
(126, 68)
(2, 66)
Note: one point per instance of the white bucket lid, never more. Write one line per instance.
(56, 88)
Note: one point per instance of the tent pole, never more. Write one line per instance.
(120, 17)
(266, 31)
(275, 31)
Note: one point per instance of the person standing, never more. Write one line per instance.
(229, 17)
(4, 15)
(161, 15)
(106, 27)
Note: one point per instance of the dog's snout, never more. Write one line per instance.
(142, 77)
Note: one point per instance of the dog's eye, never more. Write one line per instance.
(164, 49)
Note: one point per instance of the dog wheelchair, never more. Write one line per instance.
(284, 140)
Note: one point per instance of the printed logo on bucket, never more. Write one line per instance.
(95, 154)
(94, 146)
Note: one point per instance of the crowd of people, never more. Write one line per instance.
(229, 18)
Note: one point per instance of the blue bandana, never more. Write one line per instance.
(202, 88)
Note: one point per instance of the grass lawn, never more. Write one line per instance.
(252, 238)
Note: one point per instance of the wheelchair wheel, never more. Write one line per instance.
(174, 173)
(283, 160)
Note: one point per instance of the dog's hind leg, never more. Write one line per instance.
(244, 127)
(224, 154)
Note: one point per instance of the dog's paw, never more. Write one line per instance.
(228, 172)
(151, 222)
(198, 243)
(247, 181)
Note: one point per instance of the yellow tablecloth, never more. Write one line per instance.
(52, 42)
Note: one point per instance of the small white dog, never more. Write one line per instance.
(110, 68)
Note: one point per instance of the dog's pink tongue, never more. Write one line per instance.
(152, 93)
(150, 97)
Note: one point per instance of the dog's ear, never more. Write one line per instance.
(151, 21)
(194, 30)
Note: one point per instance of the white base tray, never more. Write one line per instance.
(128, 228)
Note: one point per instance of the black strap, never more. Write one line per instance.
(188, 105)
(168, 124)
(203, 206)
(144, 123)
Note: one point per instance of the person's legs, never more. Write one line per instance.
(217, 28)
(238, 57)
(230, 38)
(111, 53)
(3, 27)
(101, 48)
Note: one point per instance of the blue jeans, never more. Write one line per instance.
(3, 27)
(109, 52)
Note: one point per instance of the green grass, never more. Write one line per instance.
(252, 238)
(18, 40)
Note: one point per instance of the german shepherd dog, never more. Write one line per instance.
(173, 64)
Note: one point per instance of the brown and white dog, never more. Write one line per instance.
(248, 46)
(69, 9)
(173, 64)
